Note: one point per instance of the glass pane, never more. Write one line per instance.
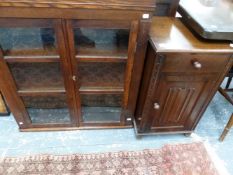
(47, 109)
(28, 41)
(95, 74)
(37, 76)
(101, 108)
(101, 42)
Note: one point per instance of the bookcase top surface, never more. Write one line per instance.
(147, 5)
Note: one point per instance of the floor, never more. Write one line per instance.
(15, 143)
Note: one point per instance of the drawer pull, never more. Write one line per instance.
(156, 106)
(74, 78)
(197, 65)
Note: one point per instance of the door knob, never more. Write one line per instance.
(197, 65)
(156, 106)
(74, 78)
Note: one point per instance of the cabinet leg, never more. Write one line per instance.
(226, 129)
(224, 133)
(228, 82)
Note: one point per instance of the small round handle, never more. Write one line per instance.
(197, 65)
(156, 106)
(74, 78)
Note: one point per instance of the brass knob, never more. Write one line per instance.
(156, 106)
(74, 78)
(197, 65)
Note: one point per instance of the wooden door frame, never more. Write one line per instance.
(9, 91)
(133, 27)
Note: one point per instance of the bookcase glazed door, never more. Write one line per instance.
(34, 61)
(102, 54)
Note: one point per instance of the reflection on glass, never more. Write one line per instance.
(43, 116)
(47, 109)
(101, 42)
(101, 108)
(37, 75)
(28, 41)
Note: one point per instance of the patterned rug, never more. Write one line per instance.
(182, 159)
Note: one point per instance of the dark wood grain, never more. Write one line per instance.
(66, 70)
(66, 13)
(130, 61)
(70, 47)
(36, 92)
(97, 4)
(129, 69)
(32, 59)
(9, 90)
(165, 38)
(140, 54)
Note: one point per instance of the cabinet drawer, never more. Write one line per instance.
(197, 63)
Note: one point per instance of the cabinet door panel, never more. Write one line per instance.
(102, 59)
(33, 56)
(175, 101)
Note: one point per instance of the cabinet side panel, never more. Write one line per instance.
(138, 63)
(148, 67)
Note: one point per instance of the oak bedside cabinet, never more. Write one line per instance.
(181, 75)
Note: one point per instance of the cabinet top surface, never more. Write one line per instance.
(171, 35)
(95, 4)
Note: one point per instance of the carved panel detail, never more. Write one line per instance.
(175, 104)
(153, 83)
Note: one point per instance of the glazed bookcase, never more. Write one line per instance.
(72, 67)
